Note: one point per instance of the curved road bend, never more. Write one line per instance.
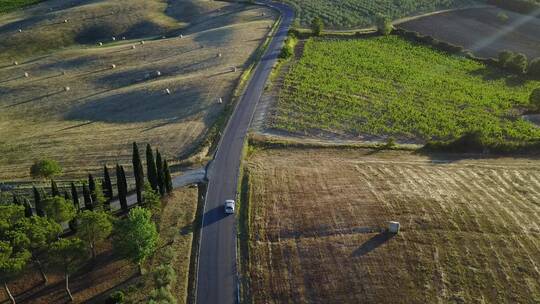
(217, 275)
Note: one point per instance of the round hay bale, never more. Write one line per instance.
(158, 73)
(113, 66)
(219, 54)
(167, 91)
(181, 36)
(220, 100)
(20, 30)
(233, 69)
(64, 73)
(15, 63)
(26, 74)
(263, 14)
(66, 89)
(65, 21)
(133, 47)
(123, 37)
(100, 43)
(163, 37)
(113, 38)
(142, 42)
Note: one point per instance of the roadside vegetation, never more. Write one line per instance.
(317, 221)
(64, 234)
(359, 13)
(11, 5)
(388, 87)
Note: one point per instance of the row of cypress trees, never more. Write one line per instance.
(93, 193)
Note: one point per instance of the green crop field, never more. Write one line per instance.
(387, 86)
(354, 13)
(9, 5)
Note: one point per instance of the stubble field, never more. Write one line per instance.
(469, 233)
(107, 108)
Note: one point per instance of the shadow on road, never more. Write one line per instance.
(372, 244)
(214, 215)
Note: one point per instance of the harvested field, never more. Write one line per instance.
(490, 35)
(94, 282)
(470, 230)
(107, 107)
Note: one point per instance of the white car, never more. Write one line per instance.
(229, 206)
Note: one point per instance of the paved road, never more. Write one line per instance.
(217, 276)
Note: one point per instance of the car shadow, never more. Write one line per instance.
(214, 215)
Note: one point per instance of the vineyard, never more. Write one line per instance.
(469, 228)
(355, 13)
(387, 86)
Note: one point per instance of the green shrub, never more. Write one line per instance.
(505, 57)
(162, 296)
(534, 68)
(534, 99)
(518, 63)
(317, 26)
(45, 168)
(288, 47)
(384, 25)
(164, 276)
(116, 297)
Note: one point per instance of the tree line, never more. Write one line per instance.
(32, 236)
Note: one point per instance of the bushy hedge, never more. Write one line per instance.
(520, 6)
(474, 142)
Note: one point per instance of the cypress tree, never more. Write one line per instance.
(87, 198)
(37, 202)
(75, 197)
(54, 189)
(28, 212)
(160, 174)
(138, 172)
(121, 184)
(168, 179)
(151, 168)
(92, 187)
(107, 184)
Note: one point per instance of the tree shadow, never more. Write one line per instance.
(33, 99)
(373, 243)
(492, 74)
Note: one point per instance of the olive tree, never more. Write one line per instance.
(136, 237)
(94, 227)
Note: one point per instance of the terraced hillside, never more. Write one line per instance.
(357, 13)
(469, 228)
(117, 91)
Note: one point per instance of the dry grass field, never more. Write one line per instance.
(93, 283)
(470, 228)
(490, 35)
(107, 108)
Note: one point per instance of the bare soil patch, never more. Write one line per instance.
(469, 228)
(481, 31)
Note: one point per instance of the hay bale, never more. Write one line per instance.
(233, 69)
(123, 37)
(113, 66)
(263, 14)
(133, 47)
(100, 43)
(64, 73)
(219, 54)
(393, 227)
(113, 38)
(158, 73)
(15, 63)
(181, 36)
(163, 37)
(66, 89)
(142, 42)
(26, 74)
(220, 100)
(167, 91)
(65, 21)
(20, 30)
